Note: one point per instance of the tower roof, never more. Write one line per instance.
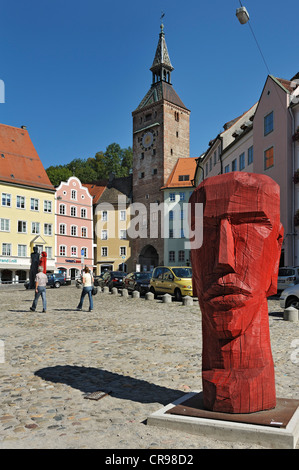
(161, 56)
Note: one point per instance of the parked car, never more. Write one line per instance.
(54, 280)
(113, 279)
(288, 276)
(290, 297)
(175, 280)
(139, 281)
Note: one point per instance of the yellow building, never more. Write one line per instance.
(111, 221)
(27, 210)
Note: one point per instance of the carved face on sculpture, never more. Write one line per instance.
(237, 264)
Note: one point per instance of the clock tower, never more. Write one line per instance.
(160, 137)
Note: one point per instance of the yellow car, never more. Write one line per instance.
(176, 281)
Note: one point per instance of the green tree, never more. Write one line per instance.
(58, 173)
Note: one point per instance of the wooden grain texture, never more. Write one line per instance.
(234, 271)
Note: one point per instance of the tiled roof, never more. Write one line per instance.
(159, 91)
(184, 167)
(96, 190)
(19, 161)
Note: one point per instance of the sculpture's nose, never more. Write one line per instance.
(226, 253)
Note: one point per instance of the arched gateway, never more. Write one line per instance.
(148, 258)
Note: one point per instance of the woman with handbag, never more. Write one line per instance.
(87, 281)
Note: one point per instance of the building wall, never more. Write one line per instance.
(72, 260)
(177, 242)
(275, 99)
(43, 215)
(112, 253)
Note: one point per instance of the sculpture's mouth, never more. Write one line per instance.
(227, 295)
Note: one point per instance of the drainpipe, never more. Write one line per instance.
(293, 186)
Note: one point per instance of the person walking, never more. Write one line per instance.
(41, 280)
(87, 280)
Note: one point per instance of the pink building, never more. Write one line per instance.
(74, 228)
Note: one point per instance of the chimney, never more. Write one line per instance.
(24, 127)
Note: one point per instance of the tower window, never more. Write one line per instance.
(148, 117)
(177, 116)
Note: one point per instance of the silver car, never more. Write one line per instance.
(290, 297)
(288, 276)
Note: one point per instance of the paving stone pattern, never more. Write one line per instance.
(145, 353)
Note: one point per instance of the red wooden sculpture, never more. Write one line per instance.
(234, 271)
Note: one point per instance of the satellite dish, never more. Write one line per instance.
(242, 15)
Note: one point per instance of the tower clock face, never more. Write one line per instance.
(147, 140)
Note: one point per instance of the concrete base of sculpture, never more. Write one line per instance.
(274, 429)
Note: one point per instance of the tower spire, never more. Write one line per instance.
(161, 67)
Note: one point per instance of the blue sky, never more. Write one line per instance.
(75, 70)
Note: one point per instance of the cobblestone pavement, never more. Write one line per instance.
(144, 353)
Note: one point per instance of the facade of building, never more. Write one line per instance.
(177, 192)
(161, 134)
(73, 228)
(268, 146)
(111, 211)
(27, 217)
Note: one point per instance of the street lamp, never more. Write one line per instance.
(242, 15)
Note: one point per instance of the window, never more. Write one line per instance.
(73, 251)
(182, 196)
(84, 232)
(123, 251)
(104, 216)
(74, 194)
(84, 252)
(6, 249)
(171, 233)
(22, 251)
(104, 235)
(210, 164)
(172, 197)
(20, 202)
(62, 250)
(4, 225)
(155, 171)
(34, 204)
(177, 116)
(48, 206)
(268, 123)
(250, 155)
(122, 234)
(268, 158)
(122, 215)
(242, 161)
(74, 211)
(226, 169)
(181, 255)
(182, 214)
(182, 233)
(83, 213)
(171, 215)
(62, 229)
(234, 165)
(48, 229)
(22, 226)
(171, 256)
(61, 209)
(141, 175)
(35, 227)
(6, 199)
(148, 117)
(74, 230)
(104, 251)
(48, 250)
